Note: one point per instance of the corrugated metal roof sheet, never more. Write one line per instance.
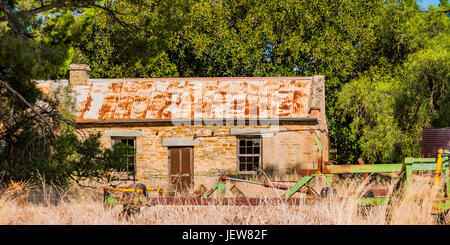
(188, 98)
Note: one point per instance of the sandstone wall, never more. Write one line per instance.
(283, 152)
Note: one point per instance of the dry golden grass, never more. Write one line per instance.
(84, 206)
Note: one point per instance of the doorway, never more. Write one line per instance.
(181, 167)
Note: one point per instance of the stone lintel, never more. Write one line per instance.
(253, 131)
(122, 133)
(180, 142)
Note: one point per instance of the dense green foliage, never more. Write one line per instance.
(390, 105)
(38, 140)
(386, 67)
(378, 54)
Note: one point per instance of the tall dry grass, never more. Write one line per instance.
(76, 205)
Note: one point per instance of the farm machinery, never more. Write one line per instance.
(135, 196)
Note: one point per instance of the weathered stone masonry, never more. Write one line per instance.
(283, 152)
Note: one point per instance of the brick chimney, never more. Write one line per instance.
(318, 97)
(78, 74)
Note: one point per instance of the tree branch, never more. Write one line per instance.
(18, 95)
(10, 23)
(111, 12)
(32, 11)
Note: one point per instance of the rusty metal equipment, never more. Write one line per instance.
(439, 166)
(234, 189)
(220, 187)
(132, 197)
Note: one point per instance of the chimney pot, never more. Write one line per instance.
(315, 113)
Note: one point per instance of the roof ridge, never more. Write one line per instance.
(193, 78)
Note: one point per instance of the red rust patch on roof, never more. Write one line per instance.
(86, 105)
(179, 98)
(115, 87)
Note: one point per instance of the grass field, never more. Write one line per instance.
(19, 204)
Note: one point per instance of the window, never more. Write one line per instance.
(249, 155)
(129, 155)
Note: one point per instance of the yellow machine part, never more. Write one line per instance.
(438, 171)
(131, 190)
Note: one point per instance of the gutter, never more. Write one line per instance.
(207, 122)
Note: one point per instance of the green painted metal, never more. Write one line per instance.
(329, 178)
(442, 206)
(373, 201)
(411, 160)
(303, 181)
(221, 187)
(423, 167)
(447, 174)
(318, 143)
(368, 168)
(446, 170)
(110, 201)
(408, 174)
(207, 194)
(408, 167)
(319, 147)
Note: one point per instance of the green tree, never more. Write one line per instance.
(37, 133)
(114, 51)
(388, 107)
(370, 101)
(338, 39)
(385, 62)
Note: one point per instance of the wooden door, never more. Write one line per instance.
(181, 167)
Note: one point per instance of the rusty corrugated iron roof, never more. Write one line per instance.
(191, 98)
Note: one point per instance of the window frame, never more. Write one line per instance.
(113, 140)
(260, 163)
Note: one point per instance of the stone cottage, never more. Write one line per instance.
(187, 127)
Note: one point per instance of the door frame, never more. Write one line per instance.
(169, 167)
